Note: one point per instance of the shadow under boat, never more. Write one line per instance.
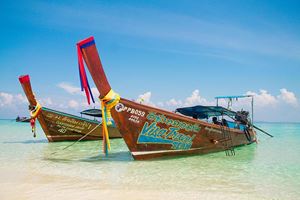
(243, 155)
(124, 156)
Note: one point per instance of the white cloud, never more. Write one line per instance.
(95, 92)
(16, 104)
(196, 99)
(265, 103)
(288, 97)
(6, 99)
(21, 98)
(145, 99)
(69, 88)
(174, 102)
(263, 98)
(46, 101)
(160, 104)
(193, 99)
(73, 104)
(13, 100)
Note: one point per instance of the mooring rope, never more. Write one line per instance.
(77, 140)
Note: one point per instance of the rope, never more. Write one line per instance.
(77, 140)
(33, 115)
(107, 103)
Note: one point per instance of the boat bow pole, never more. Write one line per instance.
(34, 106)
(87, 49)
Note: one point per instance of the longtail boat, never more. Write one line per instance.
(60, 126)
(22, 119)
(151, 132)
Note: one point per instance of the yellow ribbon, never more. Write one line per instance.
(107, 103)
(34, 113)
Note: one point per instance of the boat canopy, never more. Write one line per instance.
(205, 112)
(92, 112)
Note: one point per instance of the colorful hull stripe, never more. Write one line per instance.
(136, 153)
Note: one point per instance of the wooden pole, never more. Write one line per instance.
(93, 62)
(26, 85)
(25, 82)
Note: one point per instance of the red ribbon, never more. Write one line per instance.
(83, 78)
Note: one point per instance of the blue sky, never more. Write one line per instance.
(173, 53)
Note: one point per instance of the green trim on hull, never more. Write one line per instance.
(69, 115)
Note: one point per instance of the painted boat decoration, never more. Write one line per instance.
(150, 132)
(60, 126)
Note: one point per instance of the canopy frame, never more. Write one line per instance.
(230, 98)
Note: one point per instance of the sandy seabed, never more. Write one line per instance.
(16, 185)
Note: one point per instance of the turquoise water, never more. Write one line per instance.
(32, 168)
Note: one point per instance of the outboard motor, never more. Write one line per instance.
(242, 116)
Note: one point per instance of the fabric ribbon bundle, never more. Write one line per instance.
(33, 115)
(83, 78)
(107, 103)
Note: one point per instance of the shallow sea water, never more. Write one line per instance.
(32, 168)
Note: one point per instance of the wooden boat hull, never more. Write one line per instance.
(59, 126)
(151, 132)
